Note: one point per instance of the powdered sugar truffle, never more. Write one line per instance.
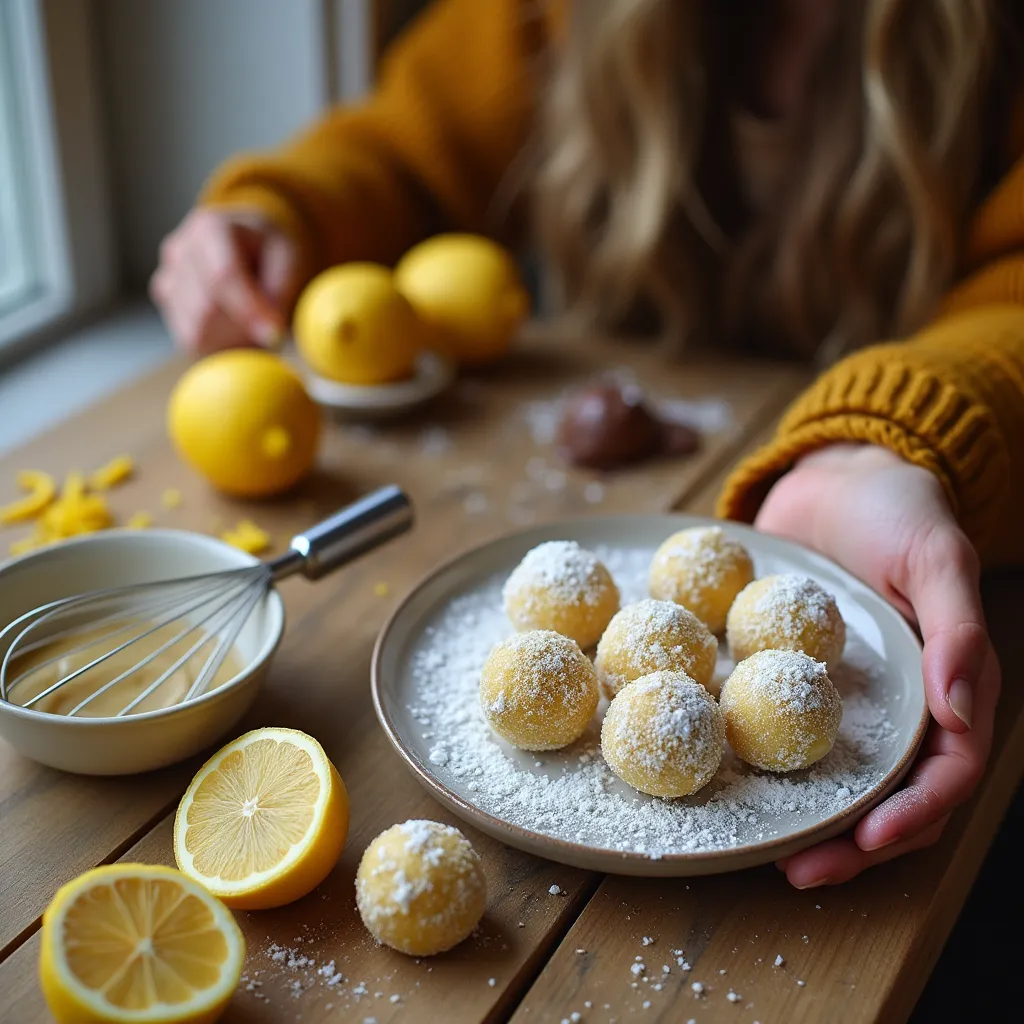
(420, 887)
(663, 734)
(786, 612)
(782, 711)
(702, 569)
(563, 587)
(655, 636)
(538, 690)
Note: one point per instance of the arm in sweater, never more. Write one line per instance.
(427, 150)
(950, 399)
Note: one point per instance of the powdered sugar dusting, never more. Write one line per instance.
(572, 795)
(788, 611)
(789, 594)
(652, 636)
(703, 557)
(570, 573)
(682, 715)
(789, 679)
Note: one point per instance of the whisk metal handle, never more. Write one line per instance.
(355, 529)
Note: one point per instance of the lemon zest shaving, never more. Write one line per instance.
(115, 472)
(247, 536)
(171, 498)
(41, 488)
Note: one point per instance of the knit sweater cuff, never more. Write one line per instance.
(879, 396)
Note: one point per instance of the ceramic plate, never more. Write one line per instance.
(566, 805)
(378, 401)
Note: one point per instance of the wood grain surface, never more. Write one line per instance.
(476, 465)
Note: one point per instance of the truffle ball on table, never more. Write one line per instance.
(420, 888)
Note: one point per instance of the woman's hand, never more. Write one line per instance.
(226, 278)
(889, 523)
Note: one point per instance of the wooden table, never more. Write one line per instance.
(476, 467)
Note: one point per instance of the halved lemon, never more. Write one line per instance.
(263, 821)
(137, 942)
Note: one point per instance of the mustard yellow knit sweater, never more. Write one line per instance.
(428, 150)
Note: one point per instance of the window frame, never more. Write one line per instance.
(57, 110)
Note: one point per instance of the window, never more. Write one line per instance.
(18, 273)
(55, 251)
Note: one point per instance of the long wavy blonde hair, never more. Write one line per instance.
(863, 239)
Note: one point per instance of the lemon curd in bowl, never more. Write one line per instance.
(125, 681)
(160, 730)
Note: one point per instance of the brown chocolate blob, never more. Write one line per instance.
(605, 425)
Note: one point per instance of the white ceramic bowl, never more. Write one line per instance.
(153, 739)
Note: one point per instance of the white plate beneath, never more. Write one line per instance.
(565, 805)
(433, 375)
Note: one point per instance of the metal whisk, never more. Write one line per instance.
(205, 611)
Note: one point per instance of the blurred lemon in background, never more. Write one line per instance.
(243, 420)
(352, 325)
(468, 291)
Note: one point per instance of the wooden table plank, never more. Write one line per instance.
(460, 463)
(864, 950)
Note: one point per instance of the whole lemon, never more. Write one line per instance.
(468, 291)
(242, 419)
(352, 325)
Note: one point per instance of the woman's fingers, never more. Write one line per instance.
(937, 785)
(278, 270)
(944, 778)
(839, 860)
(197, 323)
(942, 587)
(218, 250)
(225, 278)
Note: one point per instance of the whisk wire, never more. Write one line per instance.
(131, 619)
(227, 640)
(213, 632)
(239, 584)
(243, 584)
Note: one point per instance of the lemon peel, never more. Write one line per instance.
(41, 488)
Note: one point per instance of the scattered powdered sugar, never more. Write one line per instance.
(569, 573)
(572, 795)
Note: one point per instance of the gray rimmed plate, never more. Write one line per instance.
(565, 805)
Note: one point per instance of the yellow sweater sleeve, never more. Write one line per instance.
(426, 152)
(950, 398)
